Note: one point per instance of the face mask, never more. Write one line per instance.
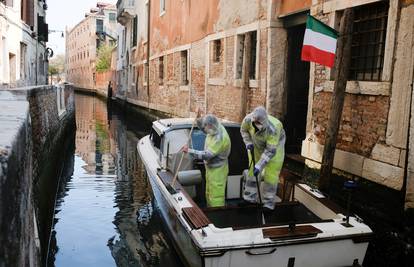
(259, 126)
(210, 131)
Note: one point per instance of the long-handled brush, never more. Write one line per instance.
(258, 187)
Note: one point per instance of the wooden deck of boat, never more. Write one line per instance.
(301, 231)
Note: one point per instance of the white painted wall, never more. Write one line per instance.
(13, 32)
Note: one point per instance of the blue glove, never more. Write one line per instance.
(249, 147)
(256, 171)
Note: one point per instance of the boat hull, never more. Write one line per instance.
(333, 245)
(182, 241)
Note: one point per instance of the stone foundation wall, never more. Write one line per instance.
(32, 125)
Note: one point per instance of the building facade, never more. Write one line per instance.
(228, 57)
(23, 37)
(83, 41)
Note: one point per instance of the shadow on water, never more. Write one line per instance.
(104, 214)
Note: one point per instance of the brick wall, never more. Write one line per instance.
(363, 123)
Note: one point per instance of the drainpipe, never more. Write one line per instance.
(148, 51)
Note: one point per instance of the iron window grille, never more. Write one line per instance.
(368, 42)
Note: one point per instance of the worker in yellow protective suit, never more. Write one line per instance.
(215, 155)
(264, 134)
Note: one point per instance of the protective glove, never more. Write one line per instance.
(249, 147)
(256, 171)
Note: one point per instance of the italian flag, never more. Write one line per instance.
(319, 44)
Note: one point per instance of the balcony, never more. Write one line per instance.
(126, 11)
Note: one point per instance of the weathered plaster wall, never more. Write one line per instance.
(32, 126)
(276, 97)
(289, 6)
(234, 13)
(183, 22)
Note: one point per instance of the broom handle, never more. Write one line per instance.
(182, 155)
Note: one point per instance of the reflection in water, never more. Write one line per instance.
(105, 215)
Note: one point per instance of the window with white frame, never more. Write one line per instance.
(184, 68)
(240, 41)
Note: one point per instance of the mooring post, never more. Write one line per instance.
(342, 64)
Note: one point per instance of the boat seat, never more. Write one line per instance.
(189, 177)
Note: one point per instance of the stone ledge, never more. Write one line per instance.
(216, 81)
(370, 169)
(343, 160)
(363, 88)
(383, 173)
(335, 5)
(14, 114)
(387, 154)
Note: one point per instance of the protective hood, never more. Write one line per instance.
(210, 124)
(259, 115)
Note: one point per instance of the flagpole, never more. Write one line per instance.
(342, 65)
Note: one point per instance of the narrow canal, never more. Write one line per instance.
(104, 213)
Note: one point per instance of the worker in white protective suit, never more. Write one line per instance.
(265, 137)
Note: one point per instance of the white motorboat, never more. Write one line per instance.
(304, 230)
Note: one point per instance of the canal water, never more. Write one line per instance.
(104, 212)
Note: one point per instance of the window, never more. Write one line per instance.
(162, 7)
(368, 42)
(216, 50)
(155, 139)
(239, 55)
(99, 26)
(134, 31)
(23, 55)
(136, 71)
(112, 16)
(12, 67)
(184, 67)
(161, 70)
(134, 74)
(253, 50)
